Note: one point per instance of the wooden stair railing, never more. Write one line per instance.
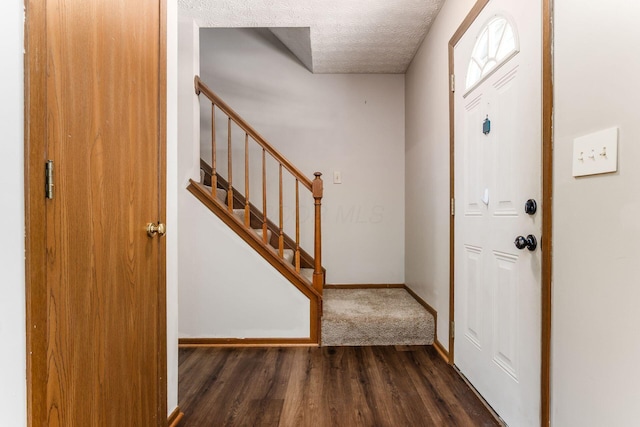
(256, 217)
(315, 187)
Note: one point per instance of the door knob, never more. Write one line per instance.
(153, 229)
(528, 242)
(530, 207)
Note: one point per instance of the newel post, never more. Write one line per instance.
(318, 275)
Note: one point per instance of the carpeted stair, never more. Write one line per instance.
(367, 317)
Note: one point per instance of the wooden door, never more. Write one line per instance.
(95, 85)
(498, 122)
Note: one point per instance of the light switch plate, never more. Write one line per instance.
(596, 153)
(337, 177)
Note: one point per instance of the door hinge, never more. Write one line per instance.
(453, 206)
(49, 179)
(453, 82)
(453, 329)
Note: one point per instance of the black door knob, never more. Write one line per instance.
(528, 242)
(530, 207)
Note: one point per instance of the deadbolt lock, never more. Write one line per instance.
(530, 207)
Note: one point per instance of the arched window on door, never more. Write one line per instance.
(496, 44)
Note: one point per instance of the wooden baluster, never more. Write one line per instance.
(281, 237)
(264, 197)
(214, 175)
(247, 211)
(318, 275)
(297, 228)
(230, 169)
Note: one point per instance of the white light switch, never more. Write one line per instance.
(596, 153)
(337, 177)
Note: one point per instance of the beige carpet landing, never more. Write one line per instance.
(365, 317)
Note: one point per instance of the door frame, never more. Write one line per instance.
(547, 192)
(35, 125)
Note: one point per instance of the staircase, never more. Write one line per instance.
(235, 208)
(353, 317)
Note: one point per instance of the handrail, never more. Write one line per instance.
(203, 88)
(315, 186)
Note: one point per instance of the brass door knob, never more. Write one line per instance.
(153, 229)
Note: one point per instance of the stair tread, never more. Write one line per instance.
(365, 317)
(287, 254)
(221, 194)
(239, 213)
(307, 273)
(258, 231)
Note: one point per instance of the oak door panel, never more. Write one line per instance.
(104, 284)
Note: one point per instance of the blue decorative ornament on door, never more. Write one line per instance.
(486, 126)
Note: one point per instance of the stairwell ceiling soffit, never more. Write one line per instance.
(330, 36)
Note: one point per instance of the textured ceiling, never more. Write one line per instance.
(330, 36)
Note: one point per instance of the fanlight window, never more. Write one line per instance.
(497, 43)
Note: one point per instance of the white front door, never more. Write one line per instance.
(497, 169)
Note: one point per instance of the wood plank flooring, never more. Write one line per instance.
(328, 386)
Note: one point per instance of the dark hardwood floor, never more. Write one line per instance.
(328, 386)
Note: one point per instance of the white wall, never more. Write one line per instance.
(427, 165)
(188, 106)
(12, 303)
(226, 289)
(352, 123)
(172, 205)
(596, 338)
